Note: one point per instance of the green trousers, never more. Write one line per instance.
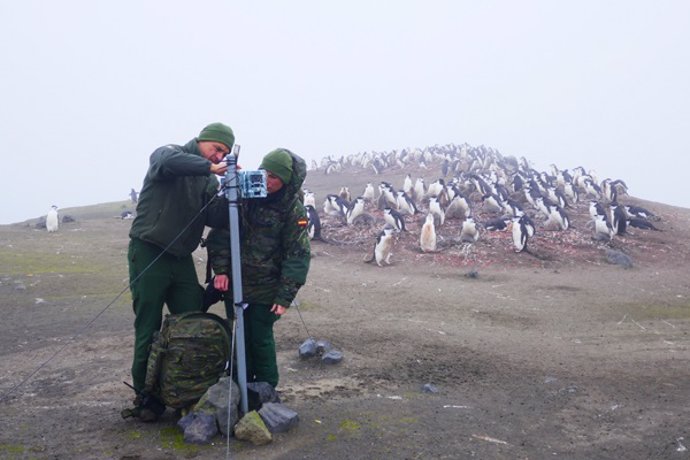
(259, 343)
(171, 281)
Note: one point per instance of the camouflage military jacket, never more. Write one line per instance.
(274, 247)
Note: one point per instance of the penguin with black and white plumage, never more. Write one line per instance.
(643, 224)
(596, 209)
(469, 233)
(458, 208)
(406, 204)
(497, 224)
(619, 219)
(369, 194)
(492, 203)
(571, 193)
(602, 228)
(558, 216)
(335, 206)
(52, 219)
(387, 195)
(436, 209)
(355, 210)
(407, 184)
(309, 198)
(394, 219)
(436, 187)
(521, 232)
(419, 190)
(313, 223)
(427, 237)
(513, 208)
(640, 212)
(383, 247)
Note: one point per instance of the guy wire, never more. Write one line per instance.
(93, 320)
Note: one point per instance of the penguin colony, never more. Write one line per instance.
(475, 196)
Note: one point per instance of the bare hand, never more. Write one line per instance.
(219, 168)
(278, 309)
(221, 282)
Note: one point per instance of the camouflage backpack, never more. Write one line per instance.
(188, 355)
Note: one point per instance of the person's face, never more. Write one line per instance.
(213, 151)
(273, 182)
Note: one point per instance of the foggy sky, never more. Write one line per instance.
(90, 89)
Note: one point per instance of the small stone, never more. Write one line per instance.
(278, 418)
(308, 348)
(323, 346)
(252, 428)
(429, 388)
(201, 430)
(332, 357)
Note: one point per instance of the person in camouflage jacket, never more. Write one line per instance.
(275, 255)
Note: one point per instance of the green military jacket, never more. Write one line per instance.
(274, 244)
(177, 186)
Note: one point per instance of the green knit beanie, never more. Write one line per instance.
(279, 162)
(218, 132)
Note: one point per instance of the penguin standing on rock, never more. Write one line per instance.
(52, 219)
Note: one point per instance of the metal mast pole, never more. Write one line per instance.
(233, 196)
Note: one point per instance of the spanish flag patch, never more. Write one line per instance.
(302, 222)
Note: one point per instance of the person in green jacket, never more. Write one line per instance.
(176, 202)
(275, 254)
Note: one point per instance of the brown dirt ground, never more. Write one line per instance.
(553, 354)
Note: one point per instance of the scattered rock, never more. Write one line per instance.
(67, 218)
(323, 346)
(215, 402)
(616, 257)
(429, 388)
(252, 428)
(201, 429)
(278, 418)
(308, 348)
(332, 357)
(472, 274)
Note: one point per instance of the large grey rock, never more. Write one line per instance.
(308, 348)
(277, 417)
(252, 428)
(618, 258)
(215, 402)
(332, 357)
(201, 430)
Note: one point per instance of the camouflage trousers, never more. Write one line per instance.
(259, 343)
(171, 281)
